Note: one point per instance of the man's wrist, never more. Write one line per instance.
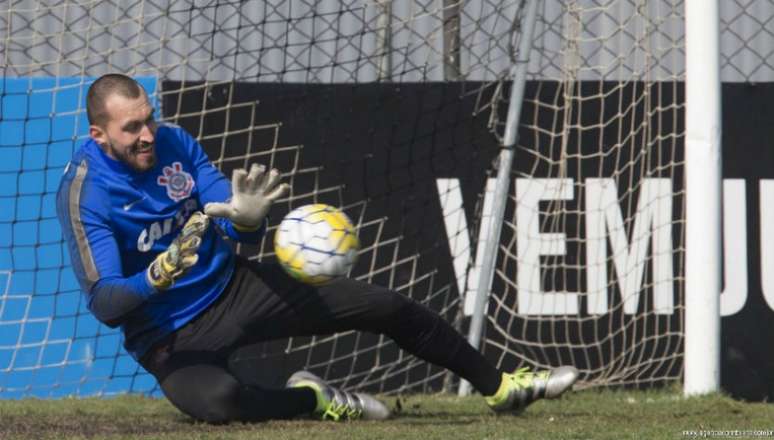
(157, 277)
(243, 228)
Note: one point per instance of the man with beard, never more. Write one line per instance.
(145, 255)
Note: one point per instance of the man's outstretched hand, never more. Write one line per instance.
(180, 255)
(251, 197)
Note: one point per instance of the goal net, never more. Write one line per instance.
(590, 264)
(393, 110)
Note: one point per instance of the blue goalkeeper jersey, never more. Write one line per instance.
(116, 221)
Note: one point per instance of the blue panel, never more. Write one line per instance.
(145, 383)
(67, 98)
(26, 357)
(49, 256)
(87, 328)
(17, 86)
(67, 302)
(42, 123)
(7, 206)
(14, 106)
(28, 207)
(5, 257)
(19, 381)
(46, 378)
(37, 131)
(34, 332)
(8, 185)
(62, 327)
(6, 355)
(12, 157)
(50, 231)
(31, 182)
(49, 206)
(52, 180)
(11, 132)
(23, 282)
(92, 387)
(14, 308)
(43, 83)
(43, 301)
(35, 155)
(107, 345)
(40, 103)
(68, 282)
(23, 259)
(59, 153)
(9, 333)
(64, 128)
(6, 234)
(25, 233)
(126, 366)
(54, 353)
(75, 371)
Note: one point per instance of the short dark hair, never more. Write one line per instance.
(105, 86)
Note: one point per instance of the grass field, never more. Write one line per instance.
(587, 414)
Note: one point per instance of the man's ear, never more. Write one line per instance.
(98, 134)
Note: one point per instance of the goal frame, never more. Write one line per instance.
(703, 186)
(703, 183)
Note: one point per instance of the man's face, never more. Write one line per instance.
(129, 133)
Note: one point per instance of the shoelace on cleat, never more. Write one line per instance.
(524, 378)
(336, 411)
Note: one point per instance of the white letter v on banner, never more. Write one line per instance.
(450, 196)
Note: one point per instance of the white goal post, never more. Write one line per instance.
(703, 186)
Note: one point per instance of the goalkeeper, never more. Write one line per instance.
(151, 262)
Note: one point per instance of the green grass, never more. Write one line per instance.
(587, 414)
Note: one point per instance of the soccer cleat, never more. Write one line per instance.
(335, 404)
(522, 387)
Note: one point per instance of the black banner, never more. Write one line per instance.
(388, 144)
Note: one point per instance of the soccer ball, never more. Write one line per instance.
(316, 243)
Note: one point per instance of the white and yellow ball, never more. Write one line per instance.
(316, 243)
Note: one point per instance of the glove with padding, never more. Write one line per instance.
(251, 197)
(181, 255)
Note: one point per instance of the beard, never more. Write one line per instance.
(141, 156)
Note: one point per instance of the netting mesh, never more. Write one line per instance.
(375, 172)
(589, 271)
(393, 110)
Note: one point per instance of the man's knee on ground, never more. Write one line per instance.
(212, 401)
(222, 405)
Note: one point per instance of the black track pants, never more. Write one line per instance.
(262, 303)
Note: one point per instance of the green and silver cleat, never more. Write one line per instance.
(522, 387)
(335, 404)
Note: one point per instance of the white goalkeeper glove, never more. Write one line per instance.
(251, 197)
(181, 255)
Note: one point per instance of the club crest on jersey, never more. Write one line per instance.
(179, 184)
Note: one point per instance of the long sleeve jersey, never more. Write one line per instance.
(117, 220)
